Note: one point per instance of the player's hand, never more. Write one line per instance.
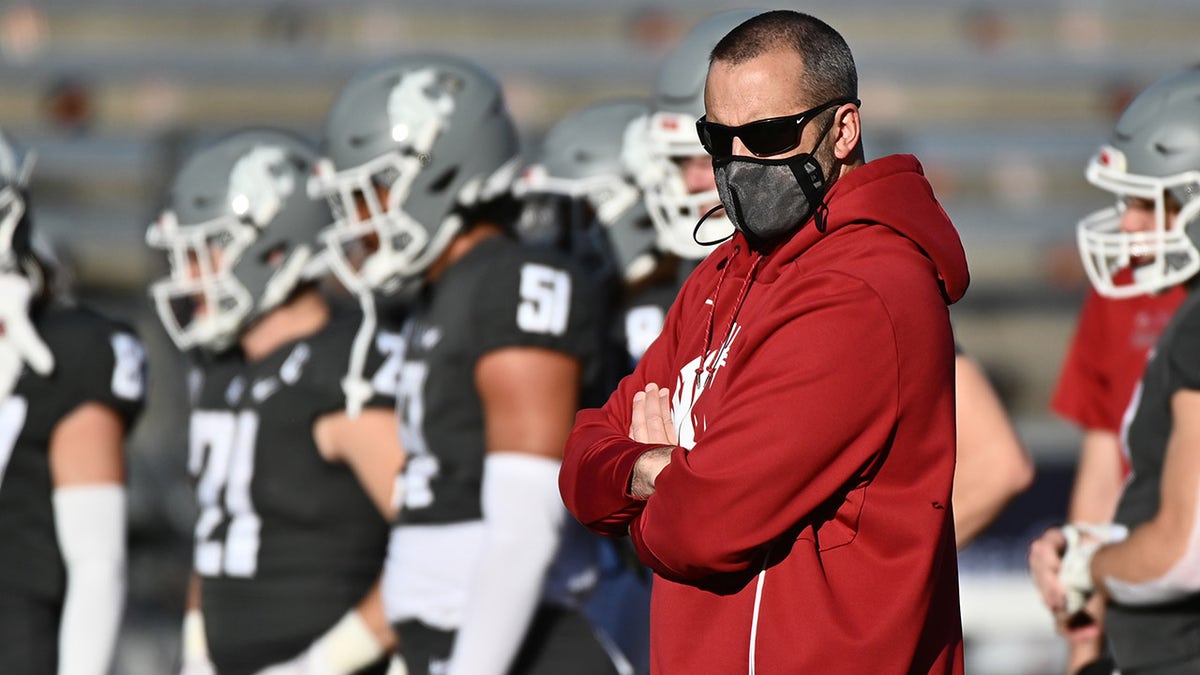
(1045, 561)
(19, 342)
(1077, 613)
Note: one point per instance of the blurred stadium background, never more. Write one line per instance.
(1003, 102)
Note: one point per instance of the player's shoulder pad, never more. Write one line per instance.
(100, 358)
(535, 296)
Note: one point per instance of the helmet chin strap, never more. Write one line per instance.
(357, 389)
(285, 280)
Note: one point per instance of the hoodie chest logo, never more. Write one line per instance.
(690, 385)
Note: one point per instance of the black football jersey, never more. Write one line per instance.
(95, 360)
(643, 310)
(1136, 634)
(500, 294)
(285, 541)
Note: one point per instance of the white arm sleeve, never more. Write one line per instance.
(523, 516)
(1182, 579)
(90, 520)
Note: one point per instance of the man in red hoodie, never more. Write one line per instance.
(789, 482)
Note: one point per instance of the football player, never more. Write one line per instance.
(420, 158)
(71, 385)
(580, 199)
(294, 492)
(1137, 575)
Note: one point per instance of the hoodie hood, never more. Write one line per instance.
(890, 192)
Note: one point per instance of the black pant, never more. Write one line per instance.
(28, 634)
(559, 641)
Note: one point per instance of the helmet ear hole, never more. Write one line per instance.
(443, 181)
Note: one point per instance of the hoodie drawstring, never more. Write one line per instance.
(710, 320)
(710, 323)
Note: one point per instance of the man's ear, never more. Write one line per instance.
(848, 128)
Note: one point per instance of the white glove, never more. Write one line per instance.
(195, 646)
(1083, 540)
(19, 342)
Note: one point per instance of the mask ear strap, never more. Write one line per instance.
(814, 192)
(696, 230)
(807, 174)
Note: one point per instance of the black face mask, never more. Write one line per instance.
(768, 199)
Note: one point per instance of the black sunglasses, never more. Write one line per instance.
(761, 137)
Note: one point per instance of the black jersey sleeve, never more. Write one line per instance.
(99, 360)
(537, 301)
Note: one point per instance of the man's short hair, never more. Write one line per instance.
(829, 71)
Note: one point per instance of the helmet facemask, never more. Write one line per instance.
(381, 246)
(654, 147)
(411, 147)
(202, 303)
(12, 211)
(1159, 258)
(240, 235)
(16, 239)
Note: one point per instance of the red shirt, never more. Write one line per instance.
(1108, 354)
(803, 524)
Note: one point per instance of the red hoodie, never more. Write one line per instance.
(804, 524)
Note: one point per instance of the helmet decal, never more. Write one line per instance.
(419, 106)
(259, 184)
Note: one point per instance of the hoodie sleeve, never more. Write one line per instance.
(599, 456)
(808, 411)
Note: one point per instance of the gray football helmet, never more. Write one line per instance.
(432, 133)
(580, 161)
(1153, 152)
(656, 144)
(240, 234)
